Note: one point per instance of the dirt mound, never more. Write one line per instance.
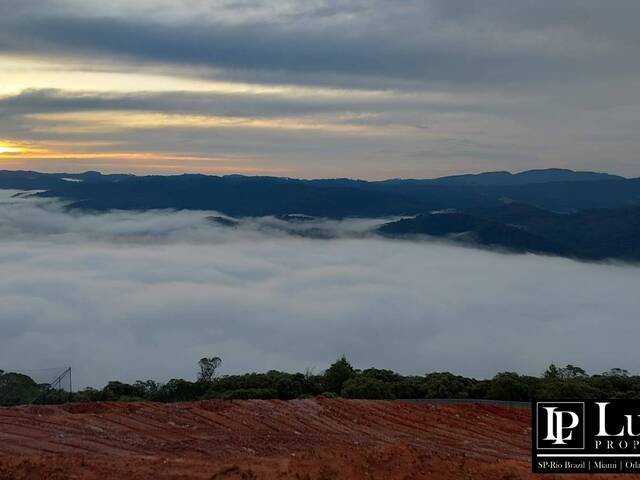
(305, 439)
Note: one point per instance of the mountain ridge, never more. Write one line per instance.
(584, 218)
(241, 195)
(595, 234)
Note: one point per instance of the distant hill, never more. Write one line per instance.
(531, 176)
(589, 234)
(27, 180)
(237, 195)
(561, 212)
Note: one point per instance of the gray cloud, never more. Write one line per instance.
(134, 295)
(24, 216)
(420, 43)
(260, 105)
(529, 85)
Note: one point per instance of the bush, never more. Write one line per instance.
(568, 389)
(18, 389)
(287, 385)
(446, 385)
(178, 390)
(511, 387)
(250, 394)
(409, 387)
(367, 387)
(116, 390)
(329, 395)
(570, 382)
(387, 376)
(54, 397)
(87, 395)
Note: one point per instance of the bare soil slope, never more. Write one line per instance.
(305, 439)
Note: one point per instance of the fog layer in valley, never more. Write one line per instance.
(129, 296)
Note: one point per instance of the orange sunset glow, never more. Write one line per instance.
(206, 86)
(8, 148)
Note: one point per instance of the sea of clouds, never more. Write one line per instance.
(136, 295)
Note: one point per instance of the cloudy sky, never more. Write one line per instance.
(359, 88)
(134, 295)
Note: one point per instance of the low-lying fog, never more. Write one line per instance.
(130, 295)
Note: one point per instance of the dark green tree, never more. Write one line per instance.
(552, 372)
(570, 371)
(208, 367)
(616, 372)
(338, 373)
(18, 389)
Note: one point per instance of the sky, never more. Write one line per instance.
(137, 295)
(335, 88)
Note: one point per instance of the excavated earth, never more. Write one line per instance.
(254, 439)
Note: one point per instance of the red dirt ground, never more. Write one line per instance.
(302, 439)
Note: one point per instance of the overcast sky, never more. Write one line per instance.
(369, 89)
(135, 295)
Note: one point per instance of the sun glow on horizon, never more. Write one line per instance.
(6, 147)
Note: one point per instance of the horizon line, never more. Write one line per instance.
(186, 173)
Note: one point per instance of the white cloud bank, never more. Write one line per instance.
(145, 295)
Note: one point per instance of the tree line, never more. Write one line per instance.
(341, 379)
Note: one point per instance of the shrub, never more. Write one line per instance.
(511, 387)
(367, 387)
(16, 388)
(178, 390)
(569, 389)
(251, 393)
(446, 385)
(328, 395)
